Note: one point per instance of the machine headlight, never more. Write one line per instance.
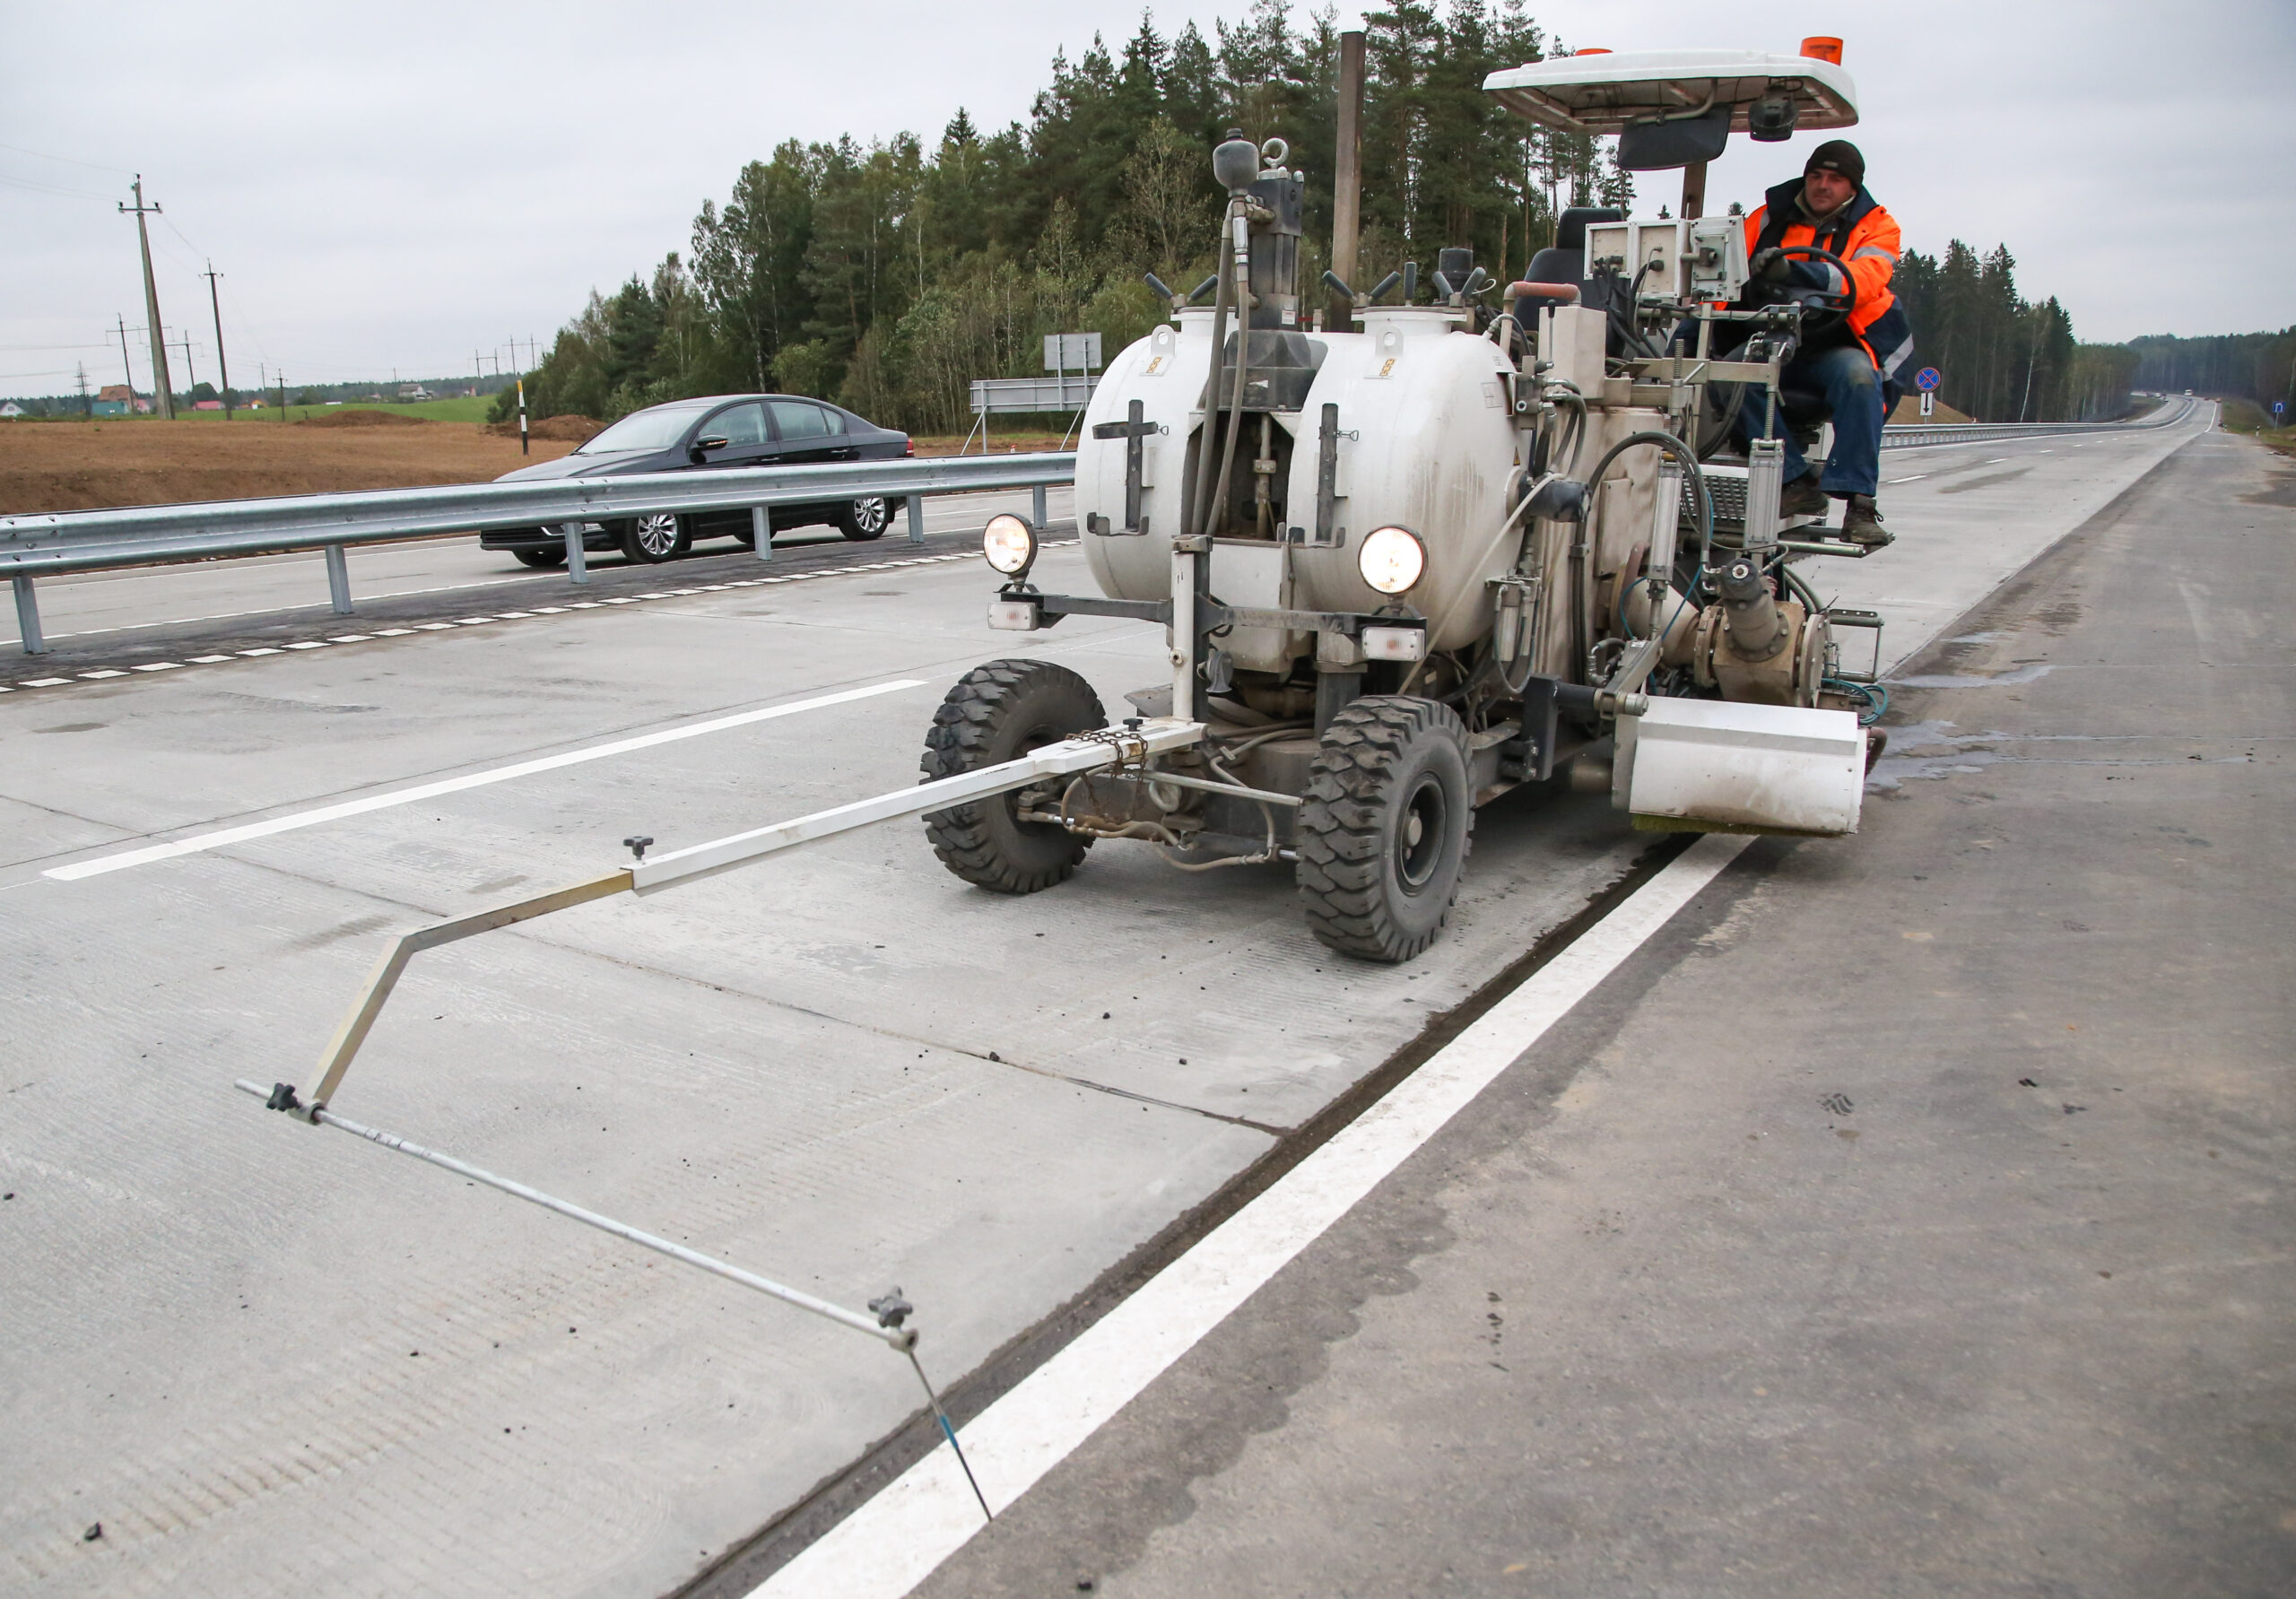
(1391, 559)
(1009, 544)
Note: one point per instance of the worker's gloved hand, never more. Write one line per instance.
(1773, 266)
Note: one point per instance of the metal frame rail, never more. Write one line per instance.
(50, 543)
(1131, 746)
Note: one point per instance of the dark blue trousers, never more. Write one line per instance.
(1853, 393)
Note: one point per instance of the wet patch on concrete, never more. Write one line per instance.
(2031, 673)
(1984, 483)
(1922, 751)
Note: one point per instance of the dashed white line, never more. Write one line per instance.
(198, 842)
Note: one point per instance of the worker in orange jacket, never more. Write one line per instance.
(1852, 363)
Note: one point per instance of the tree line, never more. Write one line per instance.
(2001, 358)
(887, 275)
(2258, 367)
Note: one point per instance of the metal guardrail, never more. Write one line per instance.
(50, 543)
(1914, 435)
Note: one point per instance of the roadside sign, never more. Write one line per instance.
(1927, 379)
(1928, 403)
(2278, 406)
(1072, 352)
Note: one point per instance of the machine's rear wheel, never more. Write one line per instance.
(997, 712)
(1385, 827)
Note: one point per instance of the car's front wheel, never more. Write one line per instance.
(862, 520)
(656, 537)
(543, 556)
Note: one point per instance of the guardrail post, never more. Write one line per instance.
(1036, 506)
(916, 518)
(338, 579)
(28, 615)
(762, 530)
(577, 566)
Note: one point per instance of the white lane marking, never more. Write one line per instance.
(43, 682)
(899, 1538)
(422, 790)
(1916, 478)
(438, 627)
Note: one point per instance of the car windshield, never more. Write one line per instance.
(658, 428)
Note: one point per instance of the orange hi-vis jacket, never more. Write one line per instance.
(1865, 237)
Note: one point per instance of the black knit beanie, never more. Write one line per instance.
(1838, 155)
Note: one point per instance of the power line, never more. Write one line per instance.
(67, 160)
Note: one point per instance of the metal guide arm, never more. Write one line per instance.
(1112, 746)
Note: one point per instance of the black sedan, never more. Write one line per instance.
(703, 435)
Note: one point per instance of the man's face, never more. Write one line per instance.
(1827, 191)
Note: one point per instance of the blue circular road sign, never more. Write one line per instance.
(1927, 379)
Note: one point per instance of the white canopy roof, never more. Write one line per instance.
(1603, 93)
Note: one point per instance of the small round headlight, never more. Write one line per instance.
(1009, 544)
(1391, 559)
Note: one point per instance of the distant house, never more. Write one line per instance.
(11, 411)
(207, 405)
(114, 399)
(412, 391)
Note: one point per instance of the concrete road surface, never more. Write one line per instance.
(266, 1358)
(1912, 1216)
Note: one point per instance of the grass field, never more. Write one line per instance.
(460, 408)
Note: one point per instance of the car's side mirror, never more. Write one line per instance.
(701, 447)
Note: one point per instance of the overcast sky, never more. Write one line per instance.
(396, 186)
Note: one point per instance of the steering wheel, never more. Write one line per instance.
(1834, 306)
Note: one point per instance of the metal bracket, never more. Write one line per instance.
(1135, 432)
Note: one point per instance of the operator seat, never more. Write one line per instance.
(1565, 260)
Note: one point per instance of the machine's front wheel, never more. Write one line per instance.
(1385, 827)
(999, 712)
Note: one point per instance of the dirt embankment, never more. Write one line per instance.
(1908, 414)
(88, 466)
(564, 430)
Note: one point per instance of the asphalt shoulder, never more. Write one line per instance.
(1909, 1215)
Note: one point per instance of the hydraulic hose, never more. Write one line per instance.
(1582, 618)
(1197, 511)
(1243, 363)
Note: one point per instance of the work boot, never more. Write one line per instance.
(1803, 497)
(1861, 522)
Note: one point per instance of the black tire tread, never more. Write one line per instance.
(1341, 817)
(965, 735)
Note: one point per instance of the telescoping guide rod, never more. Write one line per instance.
(1130, 746)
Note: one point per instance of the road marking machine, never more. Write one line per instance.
(1494, 534)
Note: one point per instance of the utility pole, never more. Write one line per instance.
(163, 395)
(128, 364)
(87, 407)
(190, 381)
(282, 396)
(216, 306)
